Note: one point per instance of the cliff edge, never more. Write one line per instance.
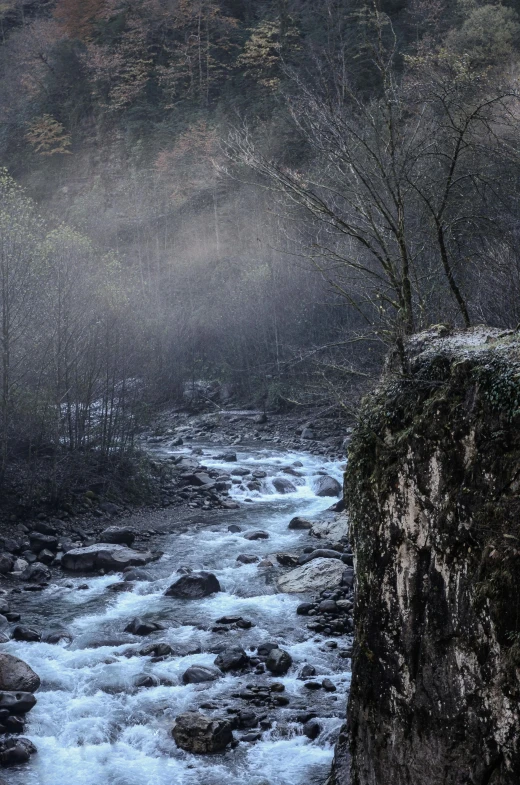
(433, 492)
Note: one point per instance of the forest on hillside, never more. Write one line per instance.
(267, 195)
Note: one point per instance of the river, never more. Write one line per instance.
(93, 727)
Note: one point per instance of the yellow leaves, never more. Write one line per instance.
(47, 136)
(262, 54)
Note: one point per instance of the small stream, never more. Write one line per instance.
(92, 726)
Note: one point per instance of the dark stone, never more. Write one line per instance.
(57, 636)
(17, 702)
(6, 563)
(319, 553)
(328, 606)
(327, 486)
(312, 729)
(117, 535)
(300, 523)
(348, 577)
(46, 557)
(198, 674)
(40, 542)
(312, 685)
(256, 535)
(283, 485)
(194, 586)
(16, 675)
(304, 608)
(234, 529)
(231, 659)
(30, 634)
(247, 558)
(14, 752)
(307, 672)
(140, 627)
(15, 724)
(287, 559)
(278, 661)
(156, 650)
(265, 648)
(196, 733)
(137, 574)
(328, 686)
(146, 680)
(36, 573)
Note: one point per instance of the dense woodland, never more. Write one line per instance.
(267, 194)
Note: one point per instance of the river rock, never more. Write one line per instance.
(40, 542)
(194, 586)
(327, 486)
(137, 574)
(319, 553)
(140, 627)
(300, 523)
(233, 658)
(333, 531)
(6, 563)
(198, 674)
(146, 680)
(196, 733)
(17, 701)
(256, 535)
(36, 573)
(278, 661)
(29, 634)
(312, 729)
(316, 575)
(16, 675)
(118, 535)
(283, 485)
(247, 558)
(14, 752)
(104, 556)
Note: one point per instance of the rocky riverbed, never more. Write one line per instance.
(206, 644)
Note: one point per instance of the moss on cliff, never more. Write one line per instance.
(433, 489)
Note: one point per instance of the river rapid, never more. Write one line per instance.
(92, 726)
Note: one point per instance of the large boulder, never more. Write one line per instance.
(194, 732)
(315, 576)
(327, 486)
(118, 535)
(194, 586)
(198, 674)
(104, 556)
(16, 675)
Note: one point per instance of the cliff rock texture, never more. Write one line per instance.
(433, 491)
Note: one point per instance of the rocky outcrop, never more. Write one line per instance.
(433, 491)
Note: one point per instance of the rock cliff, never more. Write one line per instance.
(433, 491)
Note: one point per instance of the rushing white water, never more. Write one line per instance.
(93, 727)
